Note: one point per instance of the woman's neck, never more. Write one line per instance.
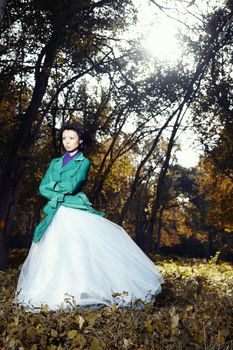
(73, 152)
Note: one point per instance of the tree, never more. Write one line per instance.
(3, 4)
(78, 30)
(217, 189)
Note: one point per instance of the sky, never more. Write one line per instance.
(160, 41)
(190, 152)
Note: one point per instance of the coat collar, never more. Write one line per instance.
(76, 159)
(79, 157)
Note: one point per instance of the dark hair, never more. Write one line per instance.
(79, 130)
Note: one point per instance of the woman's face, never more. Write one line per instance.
(71, 141)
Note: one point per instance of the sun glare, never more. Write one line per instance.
(161, 42)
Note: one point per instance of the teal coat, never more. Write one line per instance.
(61, 186)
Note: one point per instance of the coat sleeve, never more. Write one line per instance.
(46, 187)
(76, 181)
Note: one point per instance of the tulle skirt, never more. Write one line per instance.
(84, 259)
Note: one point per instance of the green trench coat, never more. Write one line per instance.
(61, 186)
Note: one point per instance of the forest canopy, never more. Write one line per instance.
(85, 61)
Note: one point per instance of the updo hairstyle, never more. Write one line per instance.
(79, 130)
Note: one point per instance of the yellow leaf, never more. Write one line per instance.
(82, 341)
(95, 345)
(114, 307)
(51, 347)
(160, 324)
(31, 332)
(107, 309)
(54, 333)
(200, 338)
(81, 321)
(148, 326)
(116, 294)
(72, 334)
(44, 307)
(175, 321)
(189, 308)
(172, 311)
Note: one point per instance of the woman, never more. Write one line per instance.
(77, 256)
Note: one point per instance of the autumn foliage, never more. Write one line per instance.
(194, 311)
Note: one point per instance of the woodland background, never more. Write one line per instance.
(82, 60)
(78, 60)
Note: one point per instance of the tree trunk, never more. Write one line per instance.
(159, 229)
(3, 4)
(102, 174)
(139, 232)
(161, 181)
(3, 251)
(210, 242)
(191, 90)
(136, 180)
(23, 138)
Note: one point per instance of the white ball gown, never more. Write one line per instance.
(83, 259)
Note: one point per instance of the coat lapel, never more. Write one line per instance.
(59, 169)
(72, 163)
(58, 164)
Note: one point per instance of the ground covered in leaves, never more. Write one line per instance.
(194, 311)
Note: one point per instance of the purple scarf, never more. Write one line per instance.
(68, 157)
